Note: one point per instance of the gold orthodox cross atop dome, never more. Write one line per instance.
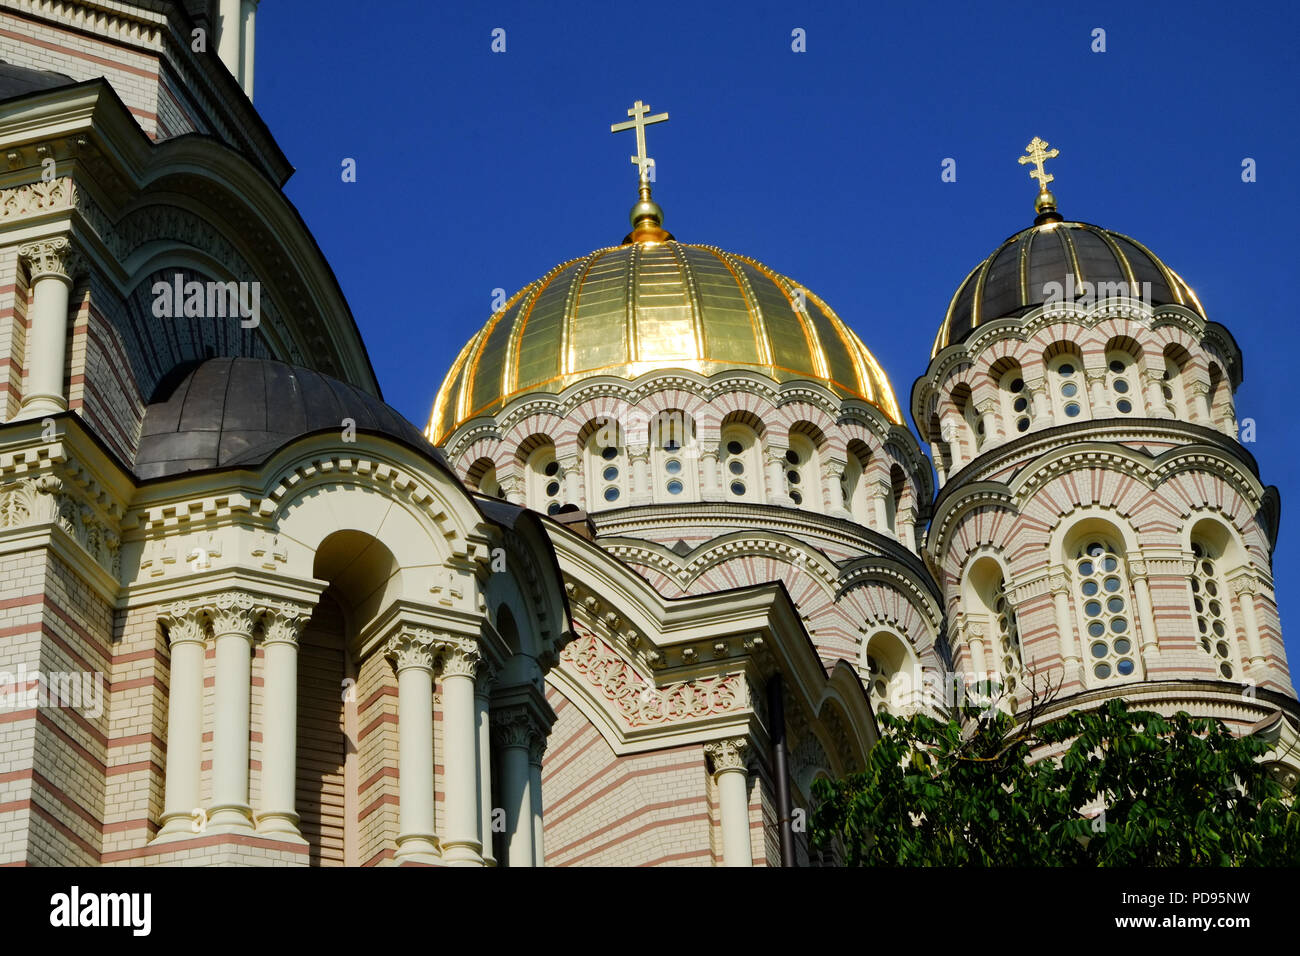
(1038, 153)
(647, 216)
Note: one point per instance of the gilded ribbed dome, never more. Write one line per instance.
(635, 308)
(1011, 281)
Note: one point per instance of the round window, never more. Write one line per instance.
(551, 468)
(1117, 366)
(552, 489)
(609, 453)
(736, 467)
(611, 473)
(611, 494)
(673, 467)
(1124, 406)
(674, 487)
(1072, 410)
(1018, 385)
(734, 448)
(1121, 385)
(1066, 370)
(792, 457)
(738, 488)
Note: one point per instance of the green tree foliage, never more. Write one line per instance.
(1117, 787)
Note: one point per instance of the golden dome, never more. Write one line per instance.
(636, 308)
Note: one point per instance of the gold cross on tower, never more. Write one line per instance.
(1037, 154)
(639, 122)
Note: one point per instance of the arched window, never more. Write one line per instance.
(1174, 386)
(1122, 385)
(1210, 604)
(738, 454)
(545, 484)
(803, 472)
(672, 434)
(1006, 637)
(890, 674)
(1068, 389)
(1016, 407)
(605, 455)
(853, 486)
(894, 500)
(1106, 606)
(971, 431)
(987, 597)
(483, 476)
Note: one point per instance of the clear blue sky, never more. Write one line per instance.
(478, 170)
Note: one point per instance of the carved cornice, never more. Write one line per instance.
(642, 704)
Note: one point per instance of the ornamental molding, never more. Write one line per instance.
(632, 396)
(1049, 463)
(641, 704)
(33, 199)
(731, 754)
(44, 499)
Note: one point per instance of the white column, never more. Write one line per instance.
(230, 29)
(1245, 588)
(709, 488)
(730, 771)
(460, 755)
(233, 620)
(776, 493)
(483, 734)
(47, 342)
(639, 457)
(988, 410)
(248, 30)
(535, 792)
(412, 654)
(570, 472)
(1096, 379)
(188, 637)
(1146, 612)
(1200, 402)
(1060, 588)
(514, 734)
(281, 627)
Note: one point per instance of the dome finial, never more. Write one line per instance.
(647, 216)
(1045, 205)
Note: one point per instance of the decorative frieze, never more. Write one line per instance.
(640, 703)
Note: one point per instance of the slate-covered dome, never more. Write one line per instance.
(647, 305)
(225, 412)
(1011, 281)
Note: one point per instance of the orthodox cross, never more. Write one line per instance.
(1037, 153)
(639, 122)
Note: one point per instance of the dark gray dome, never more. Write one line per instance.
(1011, 281)
(227, 412)
(19, 80)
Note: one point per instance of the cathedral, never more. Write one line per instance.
(664, 549)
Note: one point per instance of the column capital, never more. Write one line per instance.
(1137, 568)
(1058, 580)
(1245, 583)
(234, 612)
(283, 621)
(729, 754)
(411, 647)
(50, 258)
(185, 622)
(457, 657)
(514, 727)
